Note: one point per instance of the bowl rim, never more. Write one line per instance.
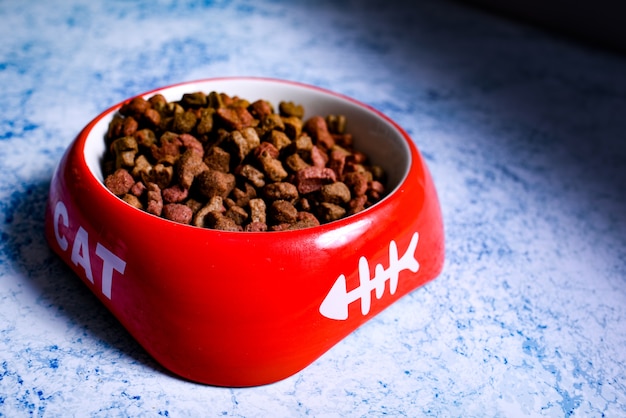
(412, 153)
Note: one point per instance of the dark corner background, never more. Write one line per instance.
(596, 23)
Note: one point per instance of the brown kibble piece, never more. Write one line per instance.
(175, 194)
(135, 107)
(266, 149)
(316, 127)
(229, 203)
(124, 149)
(197, 99)
(282, 211)
(217, 159)
(130, 126)
(152, 118)
(311, 179)
(293, 127)
(132, 200)
(304, 204)
(281, 191)
(115, 128)
(258, 211)
(145, 138)
(224, 223)
(178, 213)
(242, 196)
(260, 109)
(303, 145)
(120, 182)
(256, 227)
(295, 162)
(190, 142)
(194, 205)
(357, 204)
(337, 161)
(237, 214)
(376, 190)
(357, 182)
(169, 148)
(252, 175)
(215, 205)
(377, 173)
(155, 200)
(215, 100)
(306, 220)
(243, 142)
(336, 192)
(303, 220)
(330, 212)
(161, 175)
(215, 183)
(142, 168)
(290, 109)
(344, 140)
(281, 227)
(357, 157)
(205, 123)
(235, 118)
(157, 101)
(272, 122)
(279, 139)
(336, 124)
(138, 189)
(318, 157)
(188, 166)
(273, 168)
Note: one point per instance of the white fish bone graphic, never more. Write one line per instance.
(335, 304)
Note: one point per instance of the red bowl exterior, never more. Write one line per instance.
(242, 309)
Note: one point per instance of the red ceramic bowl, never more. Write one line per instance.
(248, 308)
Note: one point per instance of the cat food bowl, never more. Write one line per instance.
(246, 308)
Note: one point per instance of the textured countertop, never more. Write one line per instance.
(524, 133)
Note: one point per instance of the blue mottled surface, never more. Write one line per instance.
(525, 135)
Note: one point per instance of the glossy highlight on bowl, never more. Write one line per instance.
(248, 308)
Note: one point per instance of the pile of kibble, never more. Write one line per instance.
(221, 162)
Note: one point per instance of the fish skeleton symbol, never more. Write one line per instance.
(335, 304)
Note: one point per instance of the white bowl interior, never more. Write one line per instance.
(373, 135)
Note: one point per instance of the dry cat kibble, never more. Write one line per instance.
(221, 162)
